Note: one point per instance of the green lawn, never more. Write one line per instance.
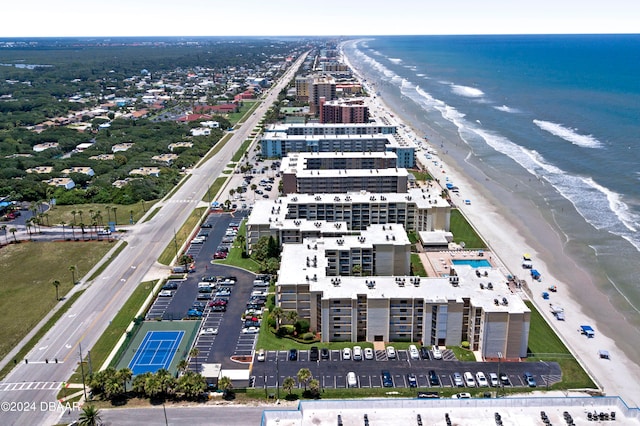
(463, 232)
(545, 345)
(241, 151)
(235, 258)
(417, 268)
(246, 108)
(214, 189)
(27, 293)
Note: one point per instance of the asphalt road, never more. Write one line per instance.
(87, 319)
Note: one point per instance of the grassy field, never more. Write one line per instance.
(416, 266)
(214, 189)
(181, 236)
(241, 151)
(27, 293)
(246, 108)
(463, 232)
(123, 213)
(235, 258)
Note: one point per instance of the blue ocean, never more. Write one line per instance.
(553, 119)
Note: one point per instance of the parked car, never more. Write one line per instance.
(171, 285)
(469, 380)
(463, 395)
(437, 354)
(413, 352)
(324, 353)
(346, 353)
(529, 380)
(166, 293)
(194, 313)
(481, 379)
(313, 353)
(434, 380)
(387, 380)
(209, 330)
(206, 225)
(412, 380)
(357, 353)
(504, 379)
(261, 355)
(391, 352)
(493, 380)
(220, 255)
(457, 380)
(293, 354)
(368, 353)
(352, 381)
(424, 352)
(251, 330)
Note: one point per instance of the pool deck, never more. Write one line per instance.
(438, 263)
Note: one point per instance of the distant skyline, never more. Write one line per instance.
(81, 18)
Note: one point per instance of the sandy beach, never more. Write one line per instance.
(510, 230)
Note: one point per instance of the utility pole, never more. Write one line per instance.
(84, 387)
(499, 379)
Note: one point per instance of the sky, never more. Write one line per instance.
(82, 18)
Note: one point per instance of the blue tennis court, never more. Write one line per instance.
(156, 351)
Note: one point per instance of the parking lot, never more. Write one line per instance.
(332, 372)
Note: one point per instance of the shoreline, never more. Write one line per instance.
(510, 229)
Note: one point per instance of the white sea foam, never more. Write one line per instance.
(505, 108)
(568, 134)
(466, 91)
(421, 75)
(395, 60)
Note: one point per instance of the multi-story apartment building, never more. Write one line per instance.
(344, 111)
(302, 88)
(317, 129)
(295, 217)
(278, 144)
(320, 87)
(444, 310)
(300, 176)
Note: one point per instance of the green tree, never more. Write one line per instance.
(225, 384)
(73, 269)
(56, 284)
(13, 232)
(304, 375)
(183, 365)
(314, 386)
(292, 316)
(124, 375)
(193, 353)
(191, 384)
(139, 383)
(167, 381)
(152, 386)
(277, 314)
(90, 416)
(288, 384)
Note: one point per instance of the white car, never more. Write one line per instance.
(469, 380)
(493, 379)
(357, 353)
(481, 379)
(463, 395)
(165, 293)
(261, 356)
(250, 330)
(368, 353)
(352, 382)
(391, 352)
(457, 380)
(437, 354)
(346, 353)
(209, 330)
(413, 352)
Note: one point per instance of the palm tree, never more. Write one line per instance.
(292, 316)
(90, 416)
(314, 386)
(277, 314)
(139, 383)
(192, 384)
(73, 269)
(63, 223)
(56, 284)
(152, 386)
(167, 381)
(29, 225)
(13, 232)
(80, 214)
(288, 384)
(304, 375)
(125, 375)
(73, 212)
(193, 353)
(225, 384)
(182, 366)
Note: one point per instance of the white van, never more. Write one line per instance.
(437, 354)
(352, 382)
(413, 352)
(357, 353)
(469, 380)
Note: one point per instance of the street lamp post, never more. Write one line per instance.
(277, 376)
(499, 379)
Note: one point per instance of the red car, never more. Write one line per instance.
(220, 255)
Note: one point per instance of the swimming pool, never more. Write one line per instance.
(474, 263)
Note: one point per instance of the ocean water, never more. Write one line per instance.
(555, 119)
